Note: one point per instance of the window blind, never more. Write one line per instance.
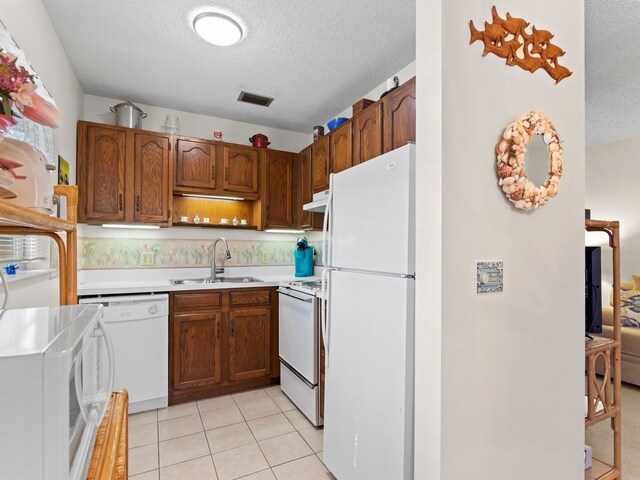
(23, 248)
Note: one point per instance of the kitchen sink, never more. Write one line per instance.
(200, 281)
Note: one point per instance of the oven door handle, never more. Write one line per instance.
(302, 299)
(110, 354)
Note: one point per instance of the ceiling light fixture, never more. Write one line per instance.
(218, 29)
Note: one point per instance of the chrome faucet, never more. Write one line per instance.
(214, 269)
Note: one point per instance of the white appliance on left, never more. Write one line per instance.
(56, 372)
(139, 327)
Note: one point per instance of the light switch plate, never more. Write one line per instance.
(147, 258)
(489, 277)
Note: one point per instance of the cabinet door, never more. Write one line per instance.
(241, 169)
(278, 194)
(341, 148)
(320, 164)
(367, 134)
(103, 161)
(303, 189)
(196, 350)
(400, 116)
(249, 343)
(151, 185)
(195, 164)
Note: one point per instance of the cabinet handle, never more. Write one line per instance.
(233, 328)
(137, 203)
(213, 173)
(218, 330)
(226, 174)
(120, 199)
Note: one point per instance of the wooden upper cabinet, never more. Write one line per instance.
(102, 170)
(303, 191)
(320, 164)
(249, 343)
(367, 134)
(341, 148)
(195, 164)
(278, 189)
(241, 169)
(196, 350)
(152, 185)
(400, 116)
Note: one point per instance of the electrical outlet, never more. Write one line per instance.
(148, 258)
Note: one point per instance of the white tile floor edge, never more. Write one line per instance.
(255, 435)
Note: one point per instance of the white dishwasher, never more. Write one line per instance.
(139, 329)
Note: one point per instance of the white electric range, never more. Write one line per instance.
(299, 335)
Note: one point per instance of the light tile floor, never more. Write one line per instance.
(256, 435)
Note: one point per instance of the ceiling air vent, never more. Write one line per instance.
(255, 99)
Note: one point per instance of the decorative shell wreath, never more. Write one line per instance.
(511, 165)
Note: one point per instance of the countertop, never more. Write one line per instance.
(93, 288)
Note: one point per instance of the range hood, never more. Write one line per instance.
(319, 202)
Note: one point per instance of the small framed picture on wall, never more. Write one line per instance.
(63, 171)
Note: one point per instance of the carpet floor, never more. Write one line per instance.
(600, 436)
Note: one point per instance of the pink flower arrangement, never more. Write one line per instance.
(17, 89)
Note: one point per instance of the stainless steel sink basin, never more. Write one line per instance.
(200, 281)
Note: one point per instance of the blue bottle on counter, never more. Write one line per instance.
(303, 258)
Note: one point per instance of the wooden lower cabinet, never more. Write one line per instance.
(197, 342)
(221, 342)
(249, 343)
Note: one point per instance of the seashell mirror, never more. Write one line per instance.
(519, 173)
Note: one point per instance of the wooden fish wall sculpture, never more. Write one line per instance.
(510, 40)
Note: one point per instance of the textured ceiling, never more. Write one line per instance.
(613, 70)
(314, 57)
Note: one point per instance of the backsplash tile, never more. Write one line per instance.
(99, 253)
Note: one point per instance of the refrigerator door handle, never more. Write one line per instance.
(326, 235)
(324, 314)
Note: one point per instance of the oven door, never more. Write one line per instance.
(298, 333)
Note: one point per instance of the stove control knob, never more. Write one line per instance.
(153, 309)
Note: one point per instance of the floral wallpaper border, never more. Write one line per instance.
(101, 253)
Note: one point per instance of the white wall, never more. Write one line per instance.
(612, 173)
(511, 366)
(96, 109)
(30, 26)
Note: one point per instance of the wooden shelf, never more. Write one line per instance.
(601, 471)
(604, 355)
(15, 215)
(215, 225)
(17, 220)
(599, 344)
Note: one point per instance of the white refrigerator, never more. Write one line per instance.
(368, 327)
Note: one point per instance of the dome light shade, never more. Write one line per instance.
(218, 29)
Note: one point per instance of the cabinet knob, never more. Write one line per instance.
(120, 200)
(137, 203)
(213, 173)
(233, 328)
(226, 174)
(218, 330)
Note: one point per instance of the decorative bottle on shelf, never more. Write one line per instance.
(235, 221)
(196, 218)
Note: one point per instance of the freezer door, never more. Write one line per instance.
(372, 218)
(368, 430)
